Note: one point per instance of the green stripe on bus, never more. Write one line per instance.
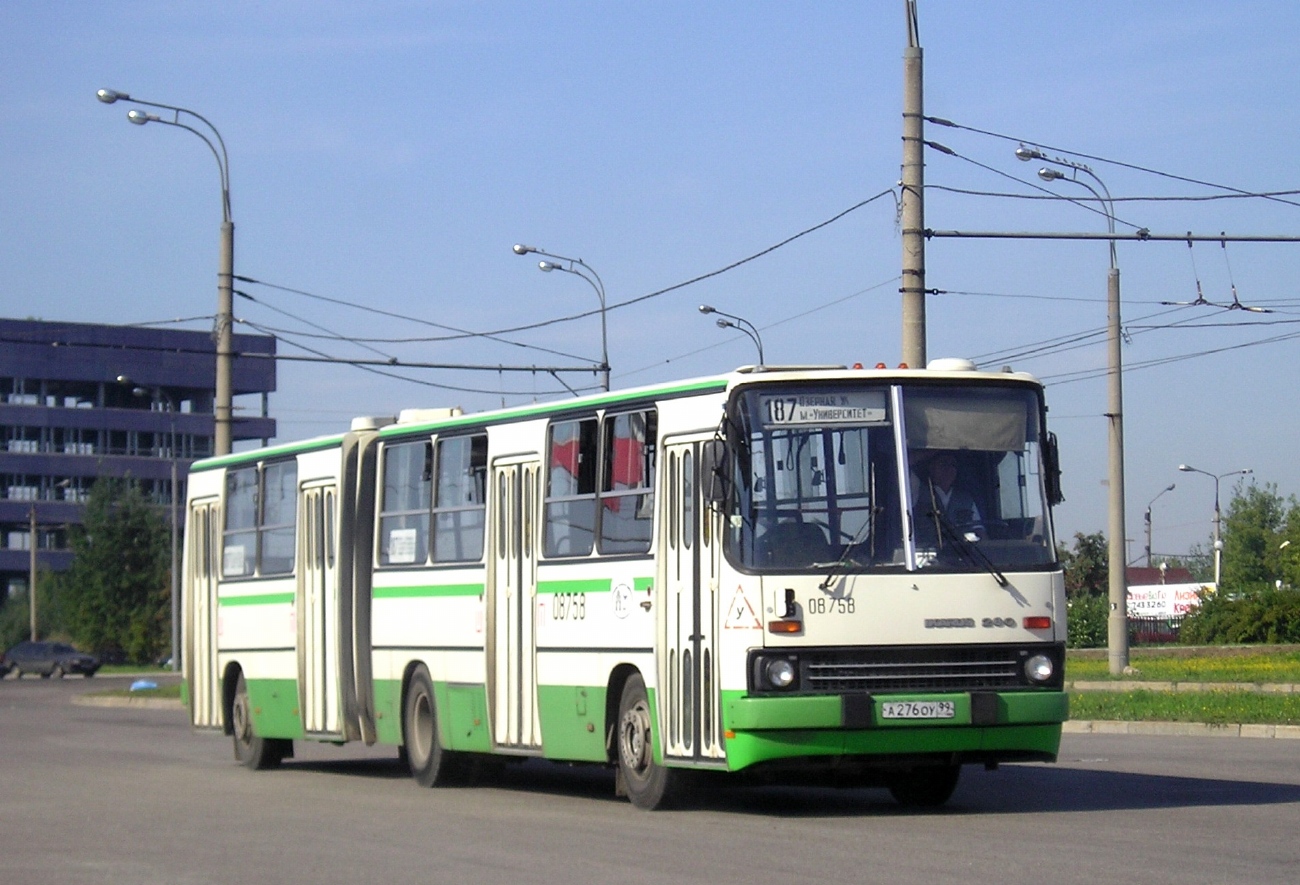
(252, 456)
(428, 590)
(487, 419)
(256, 599)
(594, 585)
(640, 584)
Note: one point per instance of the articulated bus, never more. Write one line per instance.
(806, 574)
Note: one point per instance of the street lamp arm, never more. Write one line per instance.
(109, 96)
(592, 278)
(753, 336)
(548, 266)
(142, 118)
(737, 322)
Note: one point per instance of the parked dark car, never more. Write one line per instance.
(47, 659)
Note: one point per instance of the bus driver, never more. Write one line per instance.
(939, 494)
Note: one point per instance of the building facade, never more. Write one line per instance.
(81, 401)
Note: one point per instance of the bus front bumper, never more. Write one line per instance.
(983, 726)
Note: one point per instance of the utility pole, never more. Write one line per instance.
(31, 575)
(1117, 623)
(912, 184)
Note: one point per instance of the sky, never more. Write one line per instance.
(384, 157)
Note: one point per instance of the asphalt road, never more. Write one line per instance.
(130, 795)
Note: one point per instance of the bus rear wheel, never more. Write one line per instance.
(648, 784)
(251, 751)
(928, 787)
(431, 764)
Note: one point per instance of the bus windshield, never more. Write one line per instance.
(855, 477)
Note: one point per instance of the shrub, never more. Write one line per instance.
(1086, 621)
(1256, 614)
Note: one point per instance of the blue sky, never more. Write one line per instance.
(388, 155)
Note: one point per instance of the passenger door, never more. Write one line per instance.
(689, 547)
(511, 607)
(203, 567)
(317, 611)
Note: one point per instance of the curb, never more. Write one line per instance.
(1129, 685)
(91, 700)
(1180, 729)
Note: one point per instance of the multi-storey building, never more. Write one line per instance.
(81, 401)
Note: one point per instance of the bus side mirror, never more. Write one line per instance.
(715, 472)
(1052, 466)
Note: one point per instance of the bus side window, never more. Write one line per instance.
(627, 489)
(404, 510)
(239, 538)
(460, 499)
(279, 526)
(570, 510)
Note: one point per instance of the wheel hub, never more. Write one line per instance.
(635, 738)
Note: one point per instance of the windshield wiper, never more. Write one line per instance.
(972, 552)
(837, 567)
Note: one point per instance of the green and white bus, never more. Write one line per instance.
(757, 572)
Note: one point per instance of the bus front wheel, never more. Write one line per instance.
(648, 784)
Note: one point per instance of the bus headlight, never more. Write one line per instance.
(1039, 668)
(780, 672)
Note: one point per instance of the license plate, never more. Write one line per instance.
(918, 710)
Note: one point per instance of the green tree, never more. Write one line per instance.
(15, 614)
(1255, 523)
(1198, 561)
(1086, 570)
(115, 597)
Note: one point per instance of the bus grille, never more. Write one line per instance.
(960, 668)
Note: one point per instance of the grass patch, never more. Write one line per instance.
(1192, 665)
(1212, 707)
(149, 670)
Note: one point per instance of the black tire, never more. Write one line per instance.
(928, 787)
(431, 764)
(251, 751)
(648, 784)
(57, 672)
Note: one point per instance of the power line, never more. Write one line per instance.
(462, 334)
(1203, 198)
(771, 325)
(369, 366)
(1081, 202)
(939, 121)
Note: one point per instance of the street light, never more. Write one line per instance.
(1147, 518)
(735, 322)
(593, 280)
(1117, 625)
(1218, 544)
(222, 407)
(175, 560)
